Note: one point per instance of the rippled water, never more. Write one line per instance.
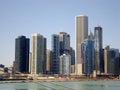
(78, 85)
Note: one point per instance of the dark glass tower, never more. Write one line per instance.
(98, 61)
(21, 55)
(55, 54)
(72, 53)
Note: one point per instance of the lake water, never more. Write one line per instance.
(76, 85)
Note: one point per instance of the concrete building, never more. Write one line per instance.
(38, 54)
(98, 45)
(81, 31)
(48, 61)
(106, 58)
(30, 61)
(21, 63)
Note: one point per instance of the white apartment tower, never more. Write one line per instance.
(81, 31)
(38, 54)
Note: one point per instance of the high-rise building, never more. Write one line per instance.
(64, 40)
(21, 63)
(98, 60)
(30, 61)
(81, 27)
(106, 58)
(111, 61)
(60, 46)
(87, 55)
(38, 54)
(48, 61)
(65, 64)
(114, 61)
(55, 54)
(72, 54)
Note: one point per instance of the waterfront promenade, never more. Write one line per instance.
(55, 78)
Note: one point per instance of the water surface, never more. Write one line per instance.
(75, 85)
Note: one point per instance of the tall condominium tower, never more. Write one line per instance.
(38, 54)
(72, 54)
(21, 63)
(98, 60)
(81, 27)
(87, 55)
(48, 61)
(30, 61)
(65, 64)
(55, 54)
(111, 61)
(64, 40)
(60, 46)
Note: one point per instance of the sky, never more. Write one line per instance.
(47, 17)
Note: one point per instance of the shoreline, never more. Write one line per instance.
(52, 80)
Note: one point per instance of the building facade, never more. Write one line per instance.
(30, 61)
(111, 61)
(64, 40)
(98, 61)
(21, 63)
(65, 64)
(38, 54)
(106, 58)
(55, 54)
(48, 61)
(87, 55)
(72, 54)
(81, 31)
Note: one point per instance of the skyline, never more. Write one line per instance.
(32, 16)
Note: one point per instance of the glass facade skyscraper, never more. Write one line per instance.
(98, 61)
(64, 40)
(111, 61)
(65, 64)
(21, 63)
(87, 55)
(55, 54)
(60, 46)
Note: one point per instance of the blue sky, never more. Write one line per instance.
(47, 17)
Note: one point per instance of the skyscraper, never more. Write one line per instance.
(60, 46)
(87, 55)
(38, 54)
(48, 61)
(30, 61)
(72, 54)
(106, 58)
(111, 61)
(81, 27)
(55, 54)
(113, 65)
(64, 40)
(21, 63)
(98, 61)
(65, 64)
